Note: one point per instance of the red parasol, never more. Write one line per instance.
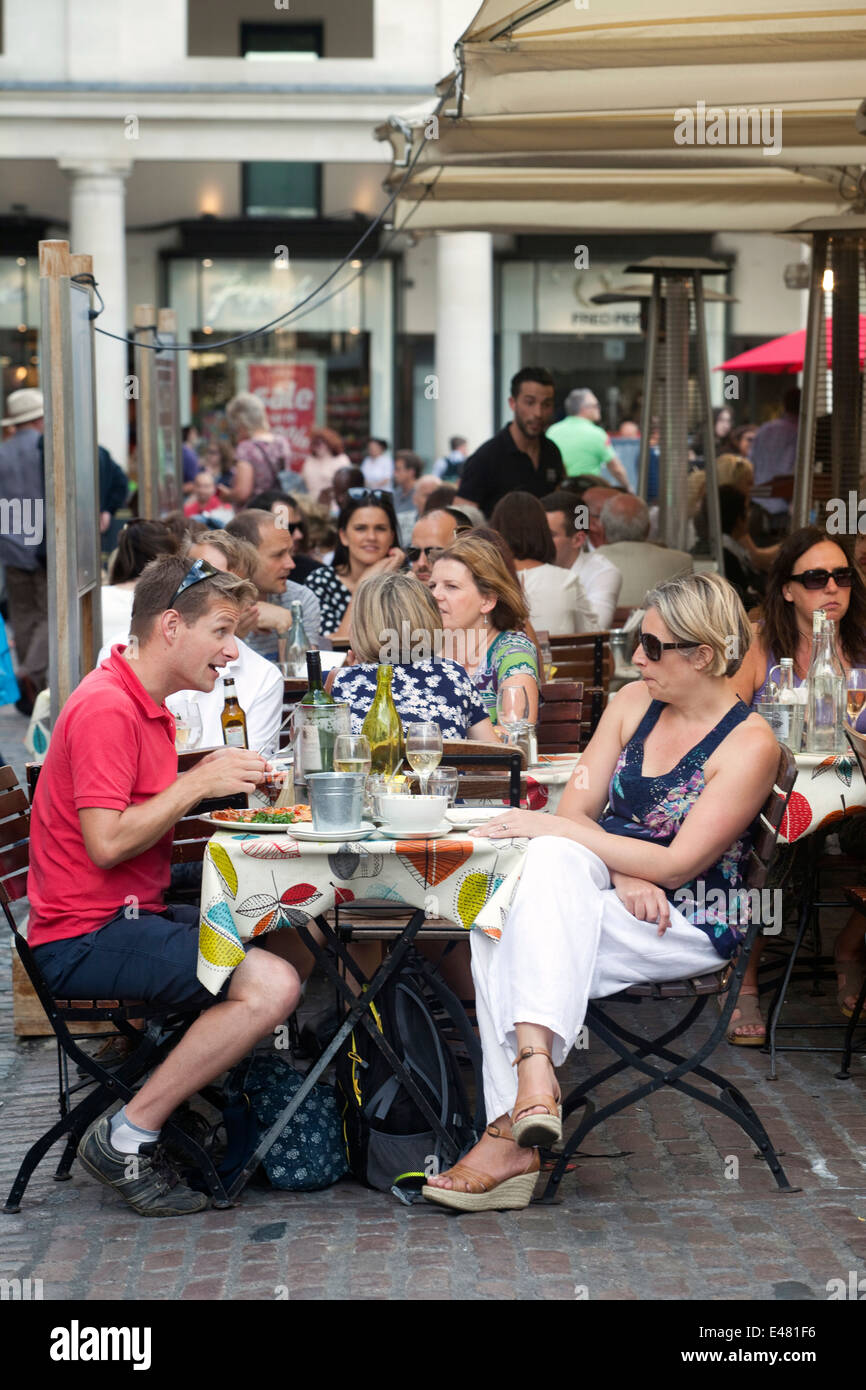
(785, 354)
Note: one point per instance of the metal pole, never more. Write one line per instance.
(845, 424)
(56, 373)
(147, 461)
(91, 599)
(652, 338)
(714, 515)
(168, 432)
(675, 459)
(801, 503)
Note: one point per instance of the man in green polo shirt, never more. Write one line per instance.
(584, 445)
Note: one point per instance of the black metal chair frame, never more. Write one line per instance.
(648, 1055)
(819, 967)
(163, 1029)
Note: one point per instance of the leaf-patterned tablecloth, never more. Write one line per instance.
(255, 883)
(826, 789)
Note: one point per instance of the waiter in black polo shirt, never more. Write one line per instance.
(520, 458)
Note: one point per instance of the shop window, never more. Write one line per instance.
(272, 188)
(294, 42)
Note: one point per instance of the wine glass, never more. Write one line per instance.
(512, 708)
(423, 750)
(187, 724)
(352, 753)
(856, 694)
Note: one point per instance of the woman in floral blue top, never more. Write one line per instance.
(395, 620)
(637, 878)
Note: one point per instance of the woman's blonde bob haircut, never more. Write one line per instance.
(492, 580)
(387, 606)
(704, 608)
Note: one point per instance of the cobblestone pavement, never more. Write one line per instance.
(669, 1202)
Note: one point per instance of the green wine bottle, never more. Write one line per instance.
(382, 727)
(316, 742)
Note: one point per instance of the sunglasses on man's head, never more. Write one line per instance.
(819, 579)
(201, 569)
(653, 646)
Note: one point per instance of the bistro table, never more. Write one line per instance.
(253, 883)
(259, 882)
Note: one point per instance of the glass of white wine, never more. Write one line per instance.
(423, 750)
(856, 694)
(352, 753)
(187, 724)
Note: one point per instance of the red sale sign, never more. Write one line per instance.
(292, 396)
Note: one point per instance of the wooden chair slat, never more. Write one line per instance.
(19, 828)
(8, 779)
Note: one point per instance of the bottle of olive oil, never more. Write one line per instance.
(382, 726)
(233, 719)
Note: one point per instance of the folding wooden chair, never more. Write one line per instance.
(160, 1031)
(670, 1068)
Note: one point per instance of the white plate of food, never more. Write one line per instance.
(276, 820)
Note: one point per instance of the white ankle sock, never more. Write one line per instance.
(126, 1137)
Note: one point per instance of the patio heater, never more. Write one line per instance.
(643, 294)
(675, 321)
(831, 442)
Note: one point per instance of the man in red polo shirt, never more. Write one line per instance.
(102, 821)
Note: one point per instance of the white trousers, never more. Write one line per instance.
(568, 939)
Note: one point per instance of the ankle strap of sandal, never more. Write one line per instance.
(531, 1052)
(496, 1133)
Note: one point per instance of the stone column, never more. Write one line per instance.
(464, 337)
(98, 228)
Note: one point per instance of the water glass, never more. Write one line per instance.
(443, 782)
(512, 707)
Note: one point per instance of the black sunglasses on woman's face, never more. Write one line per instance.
(819, 579)
(653, 646)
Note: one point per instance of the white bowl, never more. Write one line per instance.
(413, 813)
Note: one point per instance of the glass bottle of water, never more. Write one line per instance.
(826, 689)
(792, 710)
(297, 645)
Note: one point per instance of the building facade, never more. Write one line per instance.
(217, 157)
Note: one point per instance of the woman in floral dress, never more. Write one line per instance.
(637, 878)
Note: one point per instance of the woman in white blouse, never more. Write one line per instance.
(557, 602)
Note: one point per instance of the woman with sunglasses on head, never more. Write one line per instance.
(811, 571)
(672, 785)
(485, 609)
(367, 534)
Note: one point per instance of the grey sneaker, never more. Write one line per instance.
(144, 1180)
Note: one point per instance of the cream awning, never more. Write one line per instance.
(559, 118)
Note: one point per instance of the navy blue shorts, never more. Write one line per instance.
(152, 958)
